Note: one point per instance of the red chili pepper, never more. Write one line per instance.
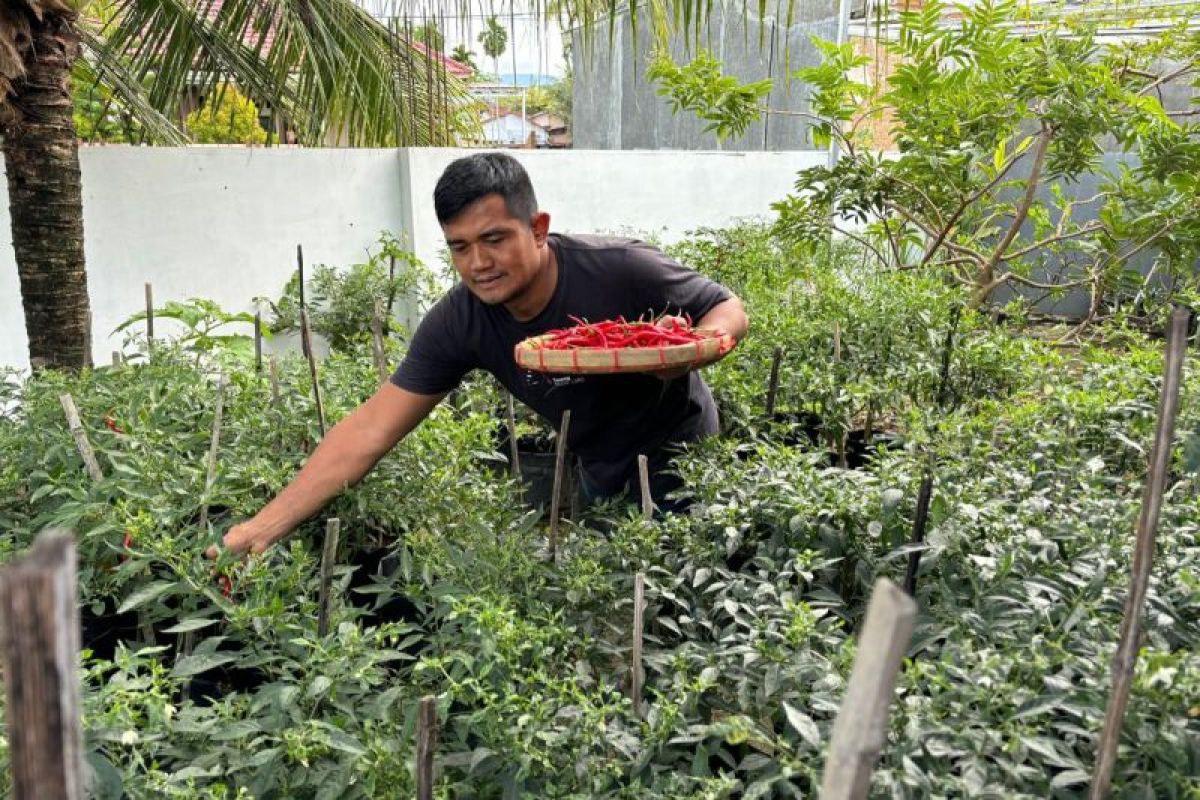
(226, 585)
(127, 543)
(618, 334)
(111, 423)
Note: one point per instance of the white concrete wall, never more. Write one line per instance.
(215, 222)
(663, 193)
(223, 222)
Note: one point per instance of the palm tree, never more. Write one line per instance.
(330, 67)
(464, 56)
(494, 39)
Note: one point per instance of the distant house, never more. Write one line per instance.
(455, 69)
(505, 128)
(558, 132)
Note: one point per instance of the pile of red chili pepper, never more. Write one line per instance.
(618, 334)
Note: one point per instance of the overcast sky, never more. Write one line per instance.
(535, 45)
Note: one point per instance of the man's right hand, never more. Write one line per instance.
(245, 537)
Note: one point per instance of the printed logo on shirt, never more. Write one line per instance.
(549, 383)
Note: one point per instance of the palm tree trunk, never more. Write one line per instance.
(41, 160)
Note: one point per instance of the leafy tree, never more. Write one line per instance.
(494, 40)
(992, 131)
(227, 117)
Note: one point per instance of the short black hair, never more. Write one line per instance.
(470, 178)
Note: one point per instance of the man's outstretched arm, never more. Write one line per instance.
(348, 452)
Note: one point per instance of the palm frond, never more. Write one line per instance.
(334, 70)
(126, 91)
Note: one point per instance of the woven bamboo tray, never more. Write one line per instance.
(595, 360)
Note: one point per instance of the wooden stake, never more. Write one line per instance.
(560, 458)
(920, 522)
(81, 441)
(210, 476)
(644, 484)
(377, 349)
(258, 342)
(333, 528)
(514, 452)
(426, 745)
(861, 725)
(773, 383)
(635, 670)
(117, 359)
(39, 639)
(87, 340)
(306, 343)
(273, 365)
(149, 318)
(1125, 659)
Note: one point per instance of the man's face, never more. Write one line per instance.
(496, 255)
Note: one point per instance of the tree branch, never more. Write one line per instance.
(1091, 227)
(966, 203)
(1035, 174)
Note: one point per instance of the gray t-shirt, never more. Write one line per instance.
(613, 417)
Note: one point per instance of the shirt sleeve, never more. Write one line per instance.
(436, 360)
(664, 286)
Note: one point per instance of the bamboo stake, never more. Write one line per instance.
(1125, 659)
(214, 444)
(40, 644)
(81, 441)
(258, 342)
(925, 494)
(426, 745)
(840, 440)
(773, 383)
(860, 729)
(644, 484)
(149, 318)
(377, 349)
(560, 457)
(273, 365)
(328, 559)
(514, 450)
(306, 344)
(635, 676)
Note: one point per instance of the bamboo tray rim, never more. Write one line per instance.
(599, 360)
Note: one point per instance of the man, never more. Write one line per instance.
(518, 280)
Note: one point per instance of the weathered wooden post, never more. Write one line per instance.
(149, 319)
(644, 486)
(514, 452)
(306, 340)
(378, 351)
(210, 475)
(560, 458)
(117, 359)
(333, 528)
(773, 382)
(258, 341)
(80, 435)
(635, 667)
(860, 729)
(273, 367)
(39, 638)
(426, 746)
(1125, 659)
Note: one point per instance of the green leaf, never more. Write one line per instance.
(149, 592)
(192, 624)
(803, 725)
(195, 664)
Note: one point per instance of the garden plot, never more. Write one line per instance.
(753, 598)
